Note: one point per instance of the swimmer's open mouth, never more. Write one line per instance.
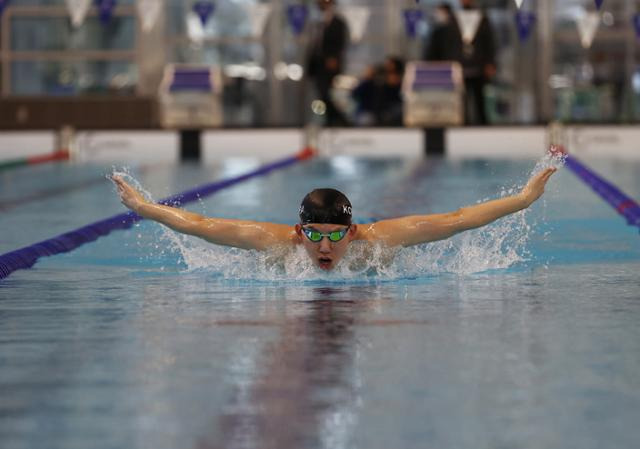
(324, 262)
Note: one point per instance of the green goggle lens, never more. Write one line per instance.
(316, 236)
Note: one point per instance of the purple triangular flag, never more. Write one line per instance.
(411, 19)
(599, 4)
(204, 10)
(636, 24)
(524, 23)
(105, 10)
(297, 16)
(3, 3)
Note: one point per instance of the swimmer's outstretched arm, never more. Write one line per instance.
(221, 231)
(416, 229)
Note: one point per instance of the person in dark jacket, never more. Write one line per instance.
(389, 100)
(445, 41)
(325, 57)
(478, 65)
(477, 57)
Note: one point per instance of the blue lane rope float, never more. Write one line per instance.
(26, 257)
(623, 204)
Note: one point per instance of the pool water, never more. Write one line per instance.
(523, 334)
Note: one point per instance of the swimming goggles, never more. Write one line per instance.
(316, 236)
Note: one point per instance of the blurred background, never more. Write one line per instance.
(101, 63)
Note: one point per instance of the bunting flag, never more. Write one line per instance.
(105, 10)
(78, 10)
(357, 17)
(412, 18)
(258, 15)
(599, 4)
(297, 17)
(469, 21)
(148, 13)
(636, 24)
(524, 22)
(518, 3)
(3, 4)
(587, 25)
(204, 10)
(195, 29)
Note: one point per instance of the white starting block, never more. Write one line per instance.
(190, 96)
(433, 94)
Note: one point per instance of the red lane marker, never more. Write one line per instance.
(306, 153)
(557, 150)
(61, 155)
(626, 205)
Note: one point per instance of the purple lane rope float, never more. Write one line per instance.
(26, 257)
(622, 203)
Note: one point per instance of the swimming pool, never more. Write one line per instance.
(523, 334)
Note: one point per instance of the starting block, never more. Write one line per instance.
(190, 96)
(433, 94)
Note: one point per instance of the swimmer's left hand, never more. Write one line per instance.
(535, 187)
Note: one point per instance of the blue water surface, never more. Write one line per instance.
(124, 343)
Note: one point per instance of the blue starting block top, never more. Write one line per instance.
(191, 79)
(436, 77)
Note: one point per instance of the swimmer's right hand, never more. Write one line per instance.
(129, 196)
(535, 187)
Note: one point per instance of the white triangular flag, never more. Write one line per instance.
(518, 3)
(357, 18)
(469, 21)
(258, 15)
(148, 13)
(195, 30)
(78, 10)
(587, 26)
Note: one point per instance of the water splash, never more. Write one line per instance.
(498, 246)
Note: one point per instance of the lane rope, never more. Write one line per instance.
(26, 257)
(622, 203)
(56, 156)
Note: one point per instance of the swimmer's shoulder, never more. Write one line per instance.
(285, 235)
(266, 235)
(373, 233)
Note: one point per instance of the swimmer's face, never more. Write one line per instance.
(326, 254)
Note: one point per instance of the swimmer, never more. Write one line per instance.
(325, 229)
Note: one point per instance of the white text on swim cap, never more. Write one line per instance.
(346, 209)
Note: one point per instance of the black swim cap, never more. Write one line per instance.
(325, 206)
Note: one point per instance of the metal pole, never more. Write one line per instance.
(4, 52)
(392, 26)
(545, 59)
(627, 109)
(275, 39)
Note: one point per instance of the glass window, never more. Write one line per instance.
(56, 33)
(58, 2)
(588, 79)
(73, 78)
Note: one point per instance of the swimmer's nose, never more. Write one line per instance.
(325, 246)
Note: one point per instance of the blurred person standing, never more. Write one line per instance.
(477, 57)
(325, 57)
(479, 67)
(445, 41)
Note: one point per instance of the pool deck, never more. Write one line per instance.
(509, 142)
